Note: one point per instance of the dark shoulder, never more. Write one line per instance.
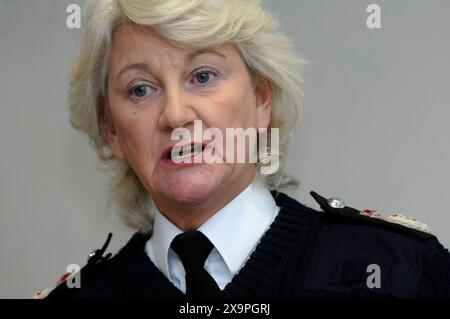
(101, 277)
(350, 241)
(336, 211)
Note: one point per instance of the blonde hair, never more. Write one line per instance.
(269, 55)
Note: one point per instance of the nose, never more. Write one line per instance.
(177, 109)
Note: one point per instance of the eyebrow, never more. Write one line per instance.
(189, 57)
(134, 66)
(193, 55)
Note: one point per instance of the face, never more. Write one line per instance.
(155, 87)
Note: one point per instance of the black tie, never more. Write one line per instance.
(193, 248)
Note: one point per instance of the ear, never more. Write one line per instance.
(111, 135)
(263, 105)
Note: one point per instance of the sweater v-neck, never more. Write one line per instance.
(290, 228)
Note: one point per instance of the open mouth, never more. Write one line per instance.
(182, 152)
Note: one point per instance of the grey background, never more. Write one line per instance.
(375, 129)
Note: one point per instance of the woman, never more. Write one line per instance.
(221, 229)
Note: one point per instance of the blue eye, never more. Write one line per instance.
(139, 91)
(204, 77)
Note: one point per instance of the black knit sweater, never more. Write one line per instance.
(303, 254)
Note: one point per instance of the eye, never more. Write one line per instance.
(204, 77)
(139, 91)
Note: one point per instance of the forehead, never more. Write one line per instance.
(130, 37)
(132, 43)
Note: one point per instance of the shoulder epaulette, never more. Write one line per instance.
(336, 206)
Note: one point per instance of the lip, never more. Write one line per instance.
(169, 163)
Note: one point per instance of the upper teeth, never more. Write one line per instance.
(192, 151)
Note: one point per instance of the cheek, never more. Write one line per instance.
(135, 132)
(235, 107)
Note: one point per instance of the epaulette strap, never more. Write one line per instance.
(97, 255)
(336, 207)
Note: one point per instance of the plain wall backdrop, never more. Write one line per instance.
(375, 130)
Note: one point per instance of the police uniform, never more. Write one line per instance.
(338, 252)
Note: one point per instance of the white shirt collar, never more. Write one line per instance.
(237, 227)
(234, 230)
(164, 231)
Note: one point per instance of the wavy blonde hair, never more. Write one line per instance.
(269, 55)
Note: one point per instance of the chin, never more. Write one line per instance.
(192, 186)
